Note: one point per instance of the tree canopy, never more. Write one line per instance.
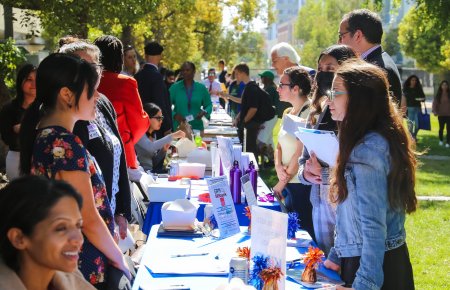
(424, 34)
(188, 29)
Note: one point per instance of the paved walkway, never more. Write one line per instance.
(435, 157)
(433, 198)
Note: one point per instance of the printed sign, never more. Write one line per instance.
(223, 206)
(248, 190)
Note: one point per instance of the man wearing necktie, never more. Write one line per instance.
(213, 86)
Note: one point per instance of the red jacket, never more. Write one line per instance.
(132, 120)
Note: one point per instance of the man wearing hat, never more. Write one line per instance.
(152, 88)
(267, 78)
(265, 136)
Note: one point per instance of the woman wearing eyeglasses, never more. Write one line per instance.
(373, 182)
(294, 88)
(150, 151)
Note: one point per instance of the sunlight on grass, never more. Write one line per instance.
(428, 242)
(432, 177)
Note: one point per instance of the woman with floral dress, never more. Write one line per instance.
(65, 94)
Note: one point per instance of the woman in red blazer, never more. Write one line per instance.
(123, 93)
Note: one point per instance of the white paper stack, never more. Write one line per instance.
(323, 143)
(179, 214)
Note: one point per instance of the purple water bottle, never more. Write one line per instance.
(235, 182)
(253, 175)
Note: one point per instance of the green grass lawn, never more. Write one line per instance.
(432, 176)
(427, 232)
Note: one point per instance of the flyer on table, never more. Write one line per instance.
(223, 206)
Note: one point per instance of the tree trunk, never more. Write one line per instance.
(127, 35)
(83, 29)
(8, 17)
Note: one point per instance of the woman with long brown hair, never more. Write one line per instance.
(414, 95)
(441, 108)
(373, 181)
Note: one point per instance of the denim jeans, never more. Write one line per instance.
(413, 120)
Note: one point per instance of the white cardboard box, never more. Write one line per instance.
(162, 192)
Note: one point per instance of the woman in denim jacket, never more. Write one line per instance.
(373, 182)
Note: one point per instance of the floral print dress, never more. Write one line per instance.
(58, 149)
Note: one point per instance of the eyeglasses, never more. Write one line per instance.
(280, 85)
(159, 118)
(341, 34)
(331, 94)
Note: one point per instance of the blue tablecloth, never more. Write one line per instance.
(153, 215)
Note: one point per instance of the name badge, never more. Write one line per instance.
(189, 118)
(94, 132)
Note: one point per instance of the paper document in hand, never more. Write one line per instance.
(323, 143)
(291, 123)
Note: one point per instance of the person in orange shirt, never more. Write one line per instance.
(123, 93)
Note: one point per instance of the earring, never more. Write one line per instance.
(69, 105)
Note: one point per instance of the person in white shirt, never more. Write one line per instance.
(213, 86)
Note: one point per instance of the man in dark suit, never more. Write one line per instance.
(362, 30)
(152, 88)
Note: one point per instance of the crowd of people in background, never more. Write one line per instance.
(90, 118)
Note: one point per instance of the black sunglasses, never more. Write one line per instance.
(159, 118)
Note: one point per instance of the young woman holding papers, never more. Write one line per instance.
(373, 181)
(311, 172)
(294, 87)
